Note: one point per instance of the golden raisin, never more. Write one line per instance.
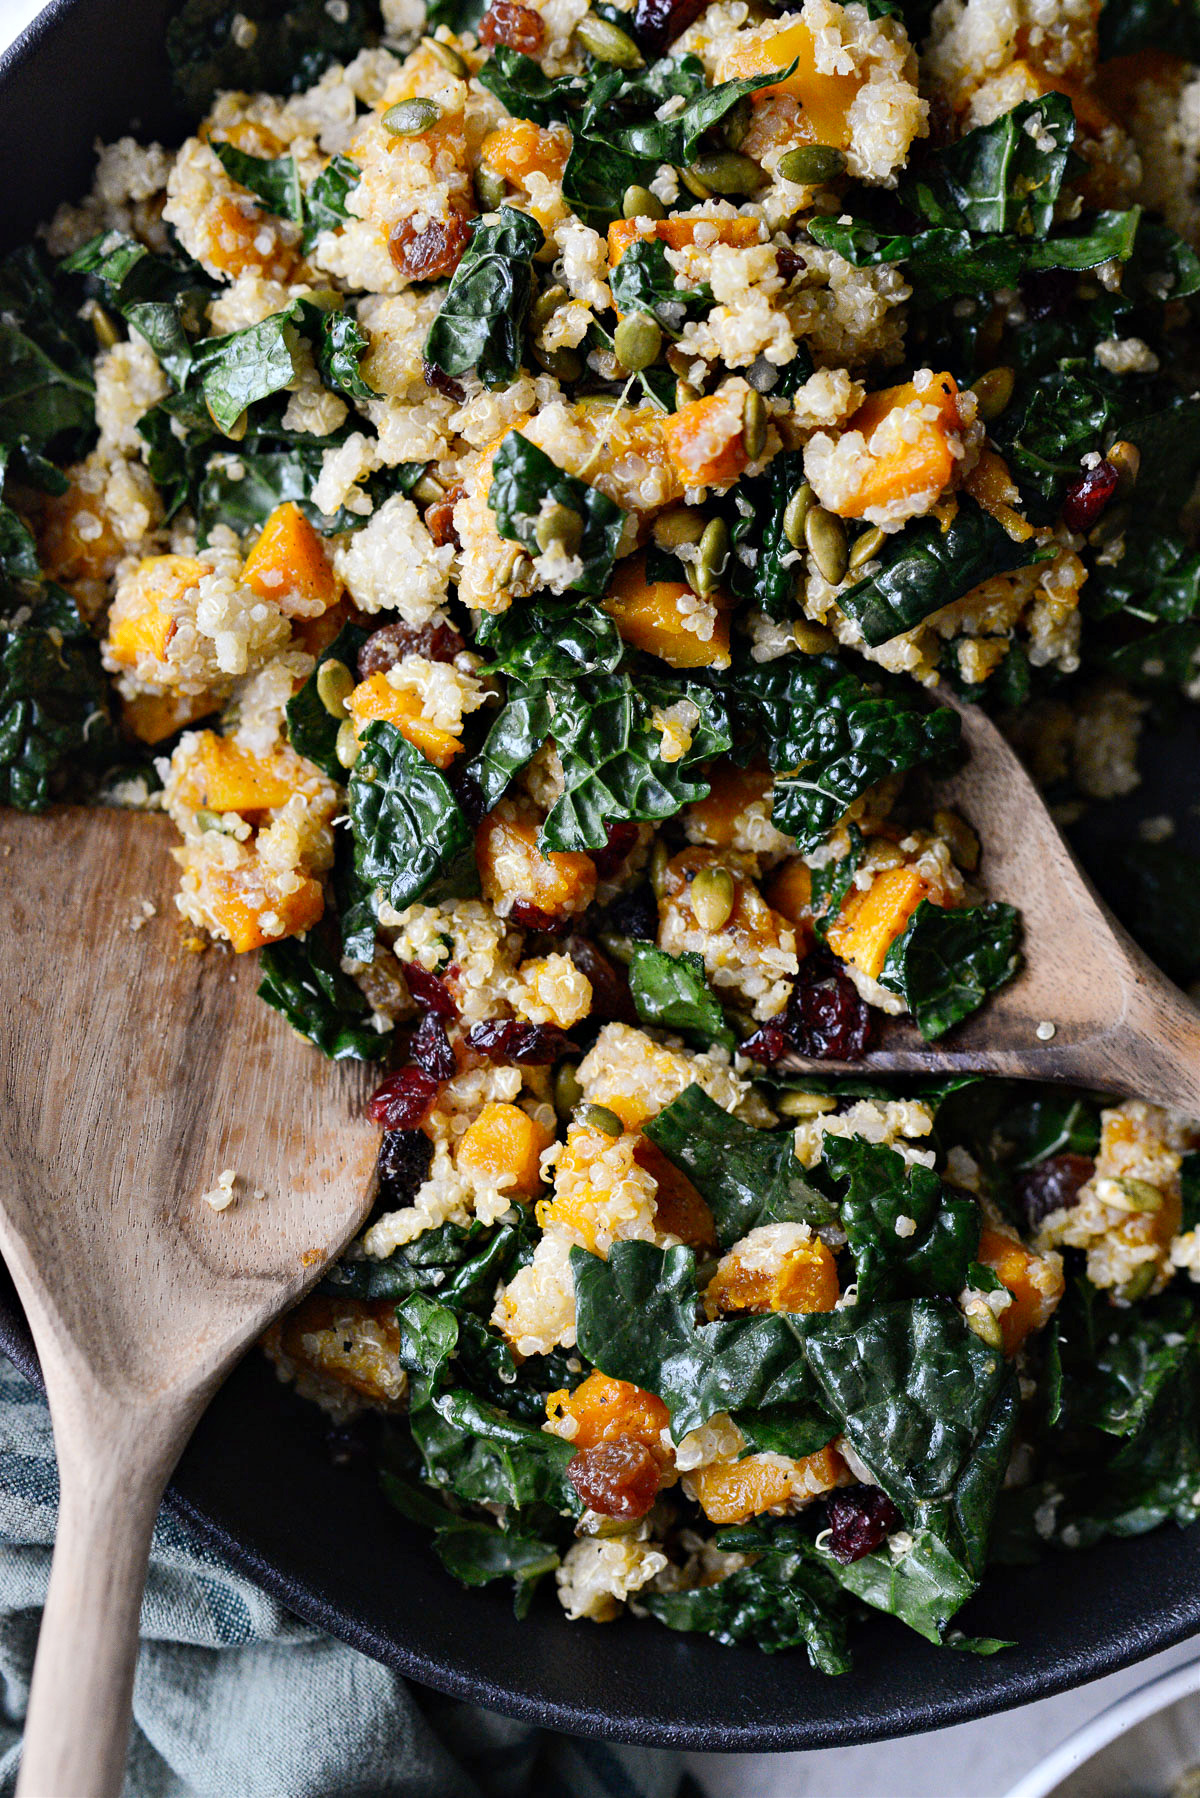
(617, 1479)
(431, 253)
(518, 27)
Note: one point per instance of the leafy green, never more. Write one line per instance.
(456, 1264)
(520, 728)
(161, 297)
(481, 324)
(525, 482)
(785, 1599)
(545, 639)
(304, 980)
(671, 992)
(523, 88)
(678, 138)
(275, 180)
(945, 963)
(829, 738)
(644, 281)
(924, 568)
(325, 205)
(831, 883)
(748, 1177)
(1157, 580)
(944, 1234)
(46, 395)
(924, 1587)
(1130, 25)
(1007, 176)
(209, 49)
(763, 566)
(247, 365)
(343, 344)
(410, 837)
(312, 729)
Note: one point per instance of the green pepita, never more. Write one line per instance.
(993, 391)
(812, 164)
(804, 1105)
(563, 364)
(728, 172)
(104, 328)
(712, 896)
(408, 118)
(694, 184)
(795, 513)
(335, 683)
(640, 203)
(754, 425)
(685, 394)
(678, 525)
(428, 490)
(1126, 458)
(658, 869)
(490, 188)
(1138, 1285)
(567, 1090)
(608, 43)
(825, 537)
(638, 341)
(449, 58)
(712, 555)
(599, 1117)
(546, 305)
(559, 527)
(985, 1324)
(812, 639)
(866, 547)
(347, 745)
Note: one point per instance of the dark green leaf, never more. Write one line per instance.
(304, 980)
(451, 1264)
(343, 344)
(476, 1553)
(481, 324)
(411, 839)
(1007, 176)
(162, 297)
(525, 91)
(325, 204)
(1130, 25)
(247, 365)
(831, 883)
(678, 138)
(923, 1587)
(763, 566)
(208, 47)
(54, 718)
(946, 963)
(543, 639)
(46, 394)
(942, 1224)
(644, 281)
(525, 482)
(312, 731)
(275, 179)
(671, 992)
(521, 727)
(784, 1600)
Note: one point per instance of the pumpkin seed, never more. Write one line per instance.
(712, 896)
(449, 59)
(640, 203)
(563, 364)
(754, 425)
(658, 869)
(825, 536)
(546, 305)
(408, 118)
(608, 43)
(709, 566)
(804, 1105)
(1132, 1194)
(103, 328)
(812, 639)
(694, 184)
(1139, 1283)
(210, 820)
(428, 490)
(599, 1117)
(490, 187)
(685, 394)
(728, 172)
(735, 126)
(795, 513)
(558, 527)
(960, 839)
(327, 298)
(1126, 458)
(812, 164)
(986, 1325)
(678, 525)
(866, 547)
(993, 391)
(638, 341)
(346, 748)
(567, 1090)
(335, 683)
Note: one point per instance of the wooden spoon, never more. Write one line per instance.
(134, 1072)
(1118, 1023)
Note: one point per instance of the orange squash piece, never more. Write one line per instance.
(789, 891)
(558, 884)
(825, 99)
(648, 616)
(732, 790)
(518, 148)
(805, 1280)
(152, 717)
(921, 464)
(870, 921)
(65, 552)
(249, 917)
(504, 1140)
(230, 779)
(735, 1491)
(678, 1208)
(604, 1408)
(243, 240)
(375, 699)
(1036, 1285)
(143, 623)
(704, 440)
(679, 233)
(290, 566)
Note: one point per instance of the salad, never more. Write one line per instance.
(509, 486)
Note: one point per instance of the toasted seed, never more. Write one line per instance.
(608, 43)
(428, 490)
(347, 745)
(728, 172)
(328, 299)
(804, 1105)
(986, 1325)
(210, 820)
(408, 118)
(546, 305)
(754, 425)
(490, 187)
(1133, 1195)
(735, 126)
(638, 341)
(795, 513)
(104, 328)
(812, 639)
(685, 394)
(961, 839)
(449, 58)
(563, 364)
(811, 164)
(1126, 458)
(712, 895)
(640, 203)
(335, 683)
(993, 391)
(866, 547)
(599, 1117)
(658, 869)
(694, 184)
(678, 525)
(559, 527)
(567, 1090)
(709, 566)
(1139, 1283)
(617, 948)
(825, 536)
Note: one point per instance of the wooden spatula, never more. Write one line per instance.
(134, 1073)
(1089, 1007)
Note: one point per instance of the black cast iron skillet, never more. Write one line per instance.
(257, 1480)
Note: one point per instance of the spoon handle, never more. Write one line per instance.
(113, 1466)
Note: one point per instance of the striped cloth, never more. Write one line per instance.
(236, 1698)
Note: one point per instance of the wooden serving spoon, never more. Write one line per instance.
(1118, 1023)
(134, 1073)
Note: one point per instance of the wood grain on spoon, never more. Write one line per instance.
(1119, 1024)
(133, 1073)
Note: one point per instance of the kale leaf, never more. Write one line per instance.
(47, 400)
(304, 980)
(1007, 176)
(523, 88)
(644, 281)
(525, 481)
(160, 297)
(455, 1264)
(924, 1587)
(747, 1176)
(677, 138)
(934, 1255)
(945, 963)
(54, 716)
(410, 836)
(275, 180)
(209, 49)
(671, 992)
(312, 729)
(481, 324)
(763, 566)
(518, 732)
(785, 1599)
(1130, 25)
(546, 639)
(325, 205)
(244, 366)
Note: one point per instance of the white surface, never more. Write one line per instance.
(1145, 1742)
(974, 1760)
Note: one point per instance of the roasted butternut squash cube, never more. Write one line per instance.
(678, 1208)
(869, 922)
(735, 1491)
(76, 539)
(352, 1344)
(704, 439)
(243, 240)
(251, 917)
(144, 623)
(602, 1408)
(230, 779)
(789, 891)
(826, 100)
(152, 717)
(504, 1145)
(714, 819)
(522, 883)
(518, 148)
(290, 566)
(651, 616)
(1035, 1282)
(679, 233)
(376, 699)
(914, 457)
(803, 1279)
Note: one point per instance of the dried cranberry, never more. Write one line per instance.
(766, 1045)
(429, 990)
(430, 1048)
(469, 793)
(518, 27)
(1053, 1185)
(1087, 497)
(826, 1018)
(860, 1519)
(633, 914)
(657, 23)
(392, 642)
(402, 1100)
(528, 916)
(617, 1479)
(428, 254)
(440, 382)
(788, 264)
(612, 1001)
(621, 839)
(526, 1045)
(404, 1160)
(1048, 295)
